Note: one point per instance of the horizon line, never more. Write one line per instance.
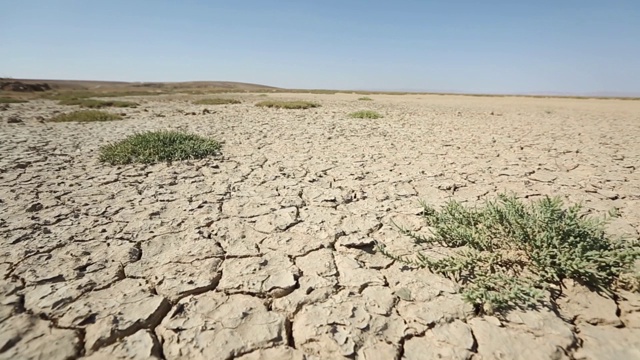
(590, 94)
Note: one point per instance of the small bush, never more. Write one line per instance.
(216, 101)
(365, 98)
(4, 100)
(288, 104)
(365, 114)
(509, 254)
(263, 95)
(159, 146)
(98, 104)
(86, 116)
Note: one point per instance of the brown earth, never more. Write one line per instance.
(18, 86)
(122, 85)
(268, 251)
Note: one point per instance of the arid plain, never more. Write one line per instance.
(269, 250)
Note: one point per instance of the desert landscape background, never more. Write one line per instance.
(269, 250)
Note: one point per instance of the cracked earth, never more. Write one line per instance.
(268, 251)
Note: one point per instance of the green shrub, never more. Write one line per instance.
(86, 116)
(365, 114)
(159, 146)
(287, 104)
(4, 100)
(97, 104)
(365, 98)
(216, 101)
(510, 254)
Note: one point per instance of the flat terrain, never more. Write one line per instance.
(121, 85)
(268, 252)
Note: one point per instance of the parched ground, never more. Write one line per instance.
(268, 252)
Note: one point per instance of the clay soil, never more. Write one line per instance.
(268, 251)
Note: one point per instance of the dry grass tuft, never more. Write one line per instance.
(98, 104)
(365, 114)
(288, 104)
(86, 116)
(216, 101)
(4, 100)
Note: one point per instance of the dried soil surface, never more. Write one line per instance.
(267, 252)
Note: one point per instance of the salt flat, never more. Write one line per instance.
(268, 252)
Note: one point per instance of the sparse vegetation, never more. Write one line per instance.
(85, 94)
(4, 100)
(365, 98)
(159, 146)
(98, 104)
(86, 116)
(288, 104)
(365, 114)
(216, 101)
(510, 254)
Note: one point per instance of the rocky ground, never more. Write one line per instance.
(268, 252)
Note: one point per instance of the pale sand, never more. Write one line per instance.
(267, 252)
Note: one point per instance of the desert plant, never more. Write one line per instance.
(365, 98)
(216, 101)
(365, 114)
(159, 146)
(287, 104)
(4, 100)
(86, 116)
(511, 254)
(97, 104)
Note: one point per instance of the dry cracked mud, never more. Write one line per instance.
(268, 251)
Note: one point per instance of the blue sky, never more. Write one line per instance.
(568, 46)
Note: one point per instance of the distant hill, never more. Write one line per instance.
(96, 84)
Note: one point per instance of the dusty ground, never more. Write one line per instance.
(267, 252)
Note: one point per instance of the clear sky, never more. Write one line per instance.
(490, 46)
